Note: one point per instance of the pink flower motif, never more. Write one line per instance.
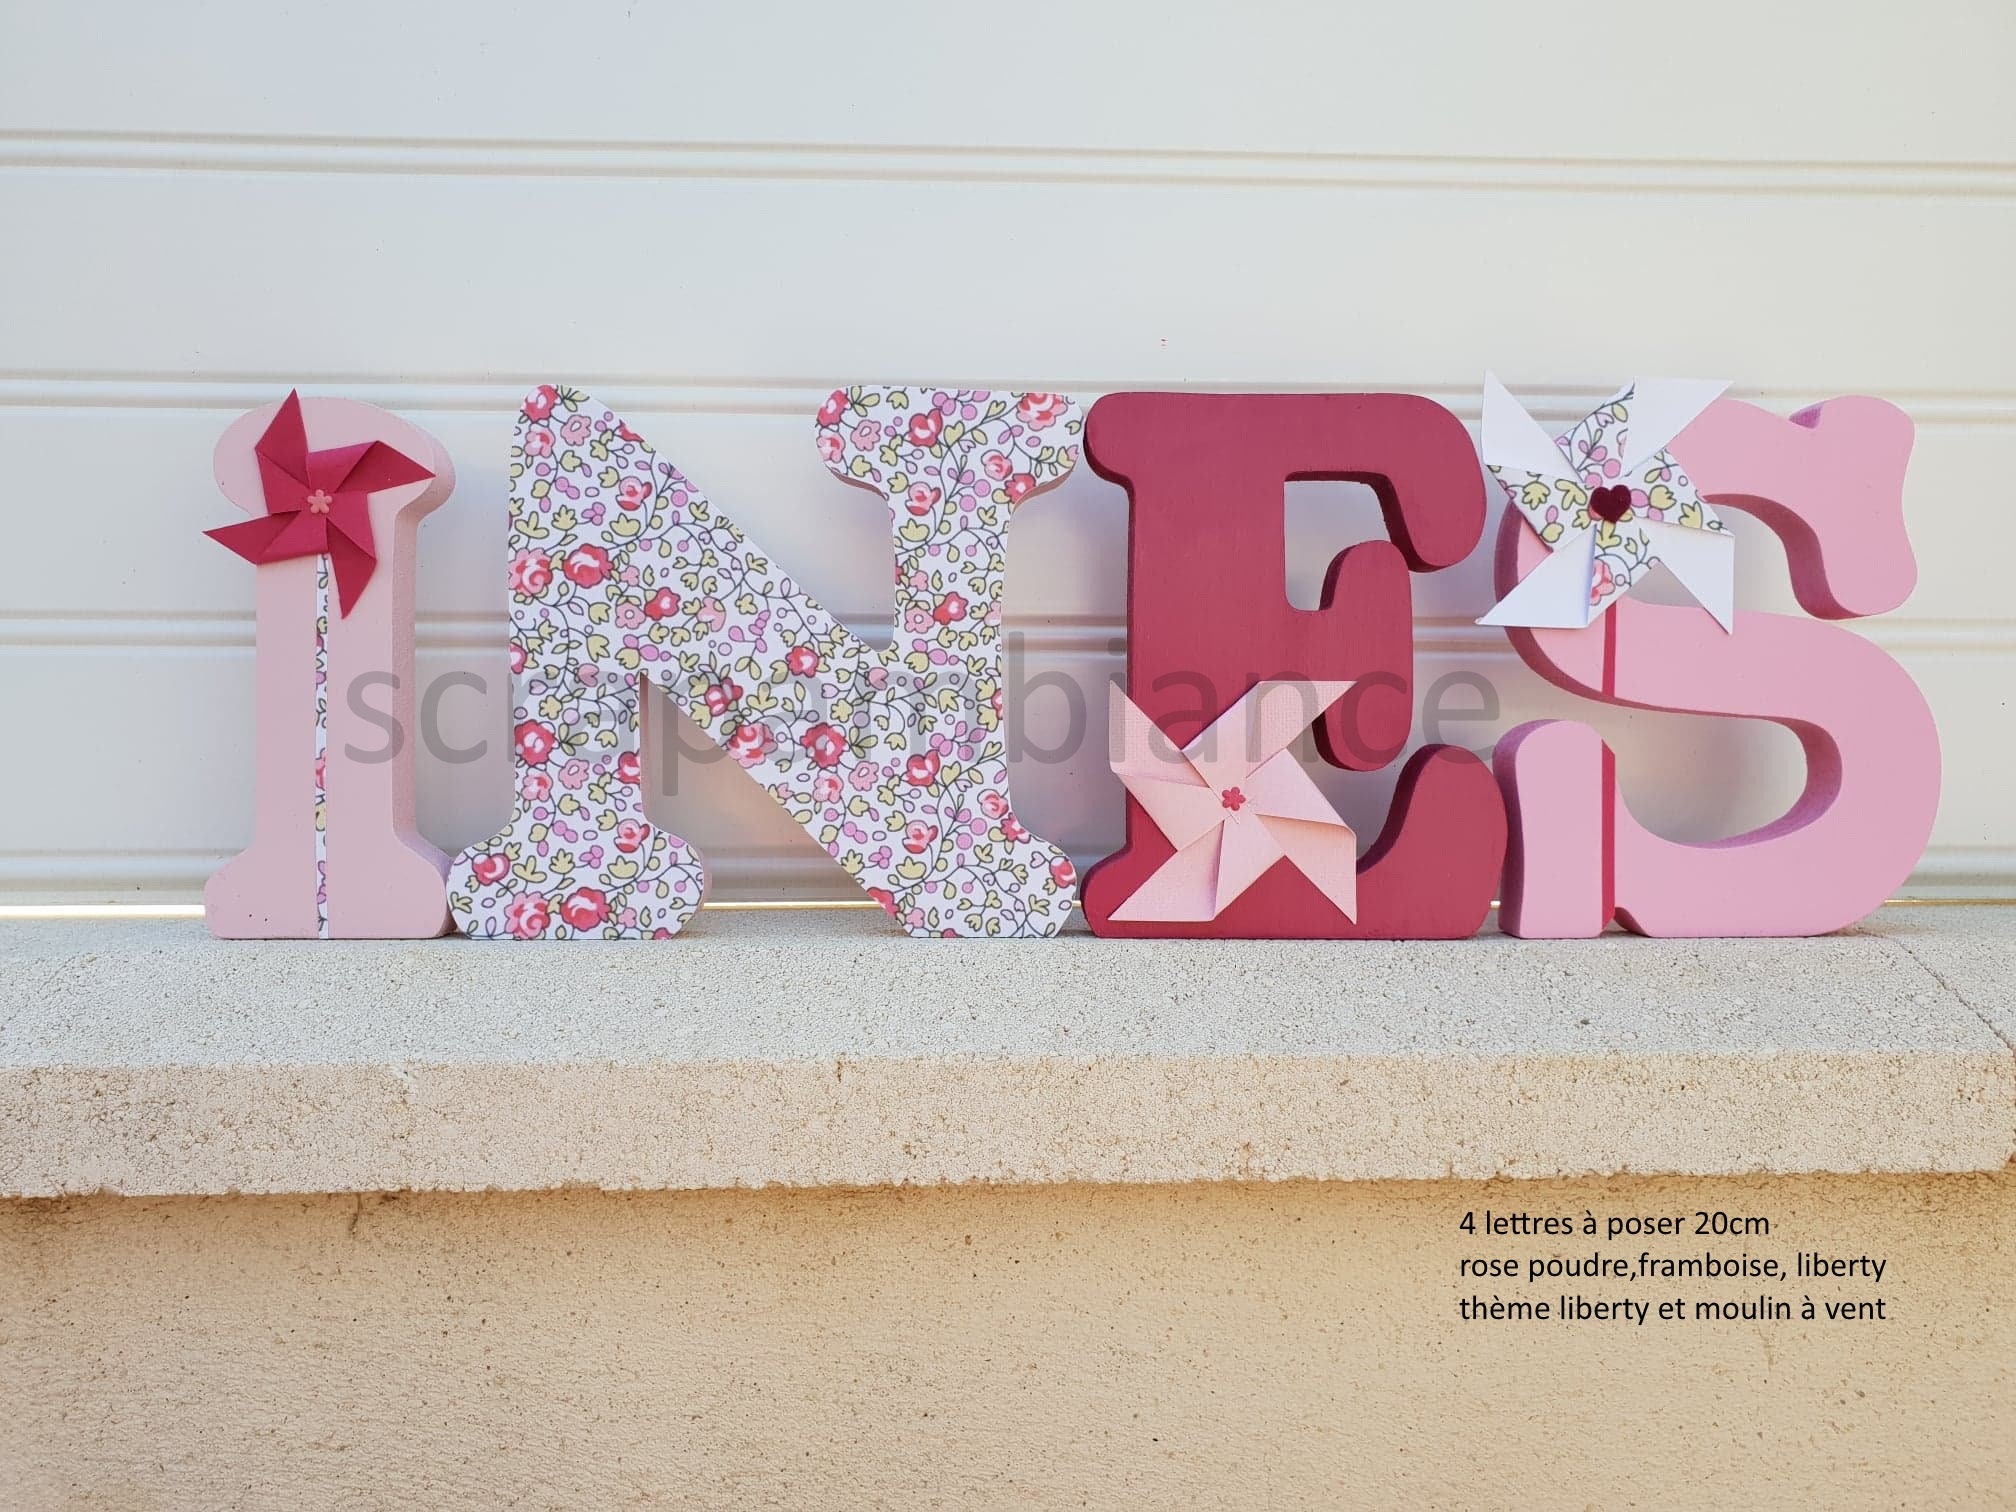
(711, 614)
(629, 769)
(924, 498)
(826, 788)
(750, 743)
(539, 403)
(825, 744)
(517, 658)
(831, 448)
(997, 466)
(921, 771)
(534, 741)
(1063, 873)
(574, 774)
(864, 776)
(802, 660)
(628, 615)
(536, 786)
(585, 908)
(918, 837)
(632, 493)
(491, 869)
(950, 608)
(631, 835)
(586, 566)
(993, 805)
(576, 430)
(917, 622)
(1601, 581)
(719, 695)
(834, 407)
(1038, 411)
(662, 605)
(526, 916)
(538, 441)
(530, 572)
(1020, 487)
(925, 427)
(1011, 828)
(866, 434)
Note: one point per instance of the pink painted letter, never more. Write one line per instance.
(335, 852)
(1829, 483)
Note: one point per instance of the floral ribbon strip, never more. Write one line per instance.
(1233, 802)
(1610, 502)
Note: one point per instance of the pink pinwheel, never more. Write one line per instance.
(1234, 802)
(318, 502)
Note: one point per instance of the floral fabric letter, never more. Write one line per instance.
(1209, 620)
(1829, 484)
(622, 573)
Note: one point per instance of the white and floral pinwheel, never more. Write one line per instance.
(1610, 502)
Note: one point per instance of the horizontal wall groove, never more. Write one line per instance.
(801, 397)
(177, 876)
(952, 163)
(481, 631)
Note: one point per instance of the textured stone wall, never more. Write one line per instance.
(1237, 1346)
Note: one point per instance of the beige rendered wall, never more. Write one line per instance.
(1138, 1347)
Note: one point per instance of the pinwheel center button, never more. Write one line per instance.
(1611, 503)
(319, 502)
(1232, 799)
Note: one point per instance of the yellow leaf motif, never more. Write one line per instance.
(1536, 494)
(912, 870)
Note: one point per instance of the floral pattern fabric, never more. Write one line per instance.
(1597, 487)
(894, 760)
(322, 575)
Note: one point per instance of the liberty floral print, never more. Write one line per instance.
(894, 760)
(1598, 482)
(322, 748)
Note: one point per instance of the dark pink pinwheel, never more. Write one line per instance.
(319, 502)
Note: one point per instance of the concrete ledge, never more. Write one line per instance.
(825, 1049)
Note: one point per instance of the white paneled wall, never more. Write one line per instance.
(712, 215)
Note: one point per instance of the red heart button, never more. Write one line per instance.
(1611, 503)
